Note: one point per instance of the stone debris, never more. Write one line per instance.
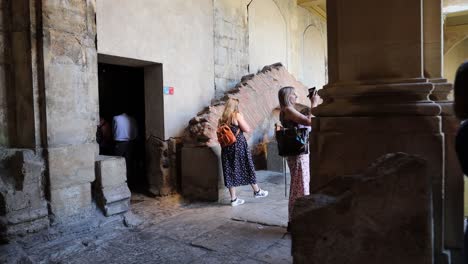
(382, 216)
(132, 220)
(258, 95)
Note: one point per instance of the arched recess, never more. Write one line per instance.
(314, 54)
(267, 35)
(454, 57)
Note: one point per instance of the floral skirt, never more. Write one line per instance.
(300, 178)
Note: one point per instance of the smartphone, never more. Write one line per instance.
(311, 91)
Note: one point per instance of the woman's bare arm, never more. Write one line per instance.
(242, 123)
(292, 114)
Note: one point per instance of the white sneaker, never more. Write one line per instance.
(261, 194)
(237, 202)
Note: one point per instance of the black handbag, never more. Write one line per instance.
(292, 141)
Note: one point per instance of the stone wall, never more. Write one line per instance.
(206, 68)
(246, 35)
(176, 33)
(231, 57)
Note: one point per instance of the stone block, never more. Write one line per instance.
(381, 216)
(110, 171)
(70, 200)
(202, 176)
(275, 161)
(27, 216)
(71, 165)
(161, 166)
(113, 200)
(23, 207)
(116, 194)
(117, 207)
(27, 227)
(71, 120)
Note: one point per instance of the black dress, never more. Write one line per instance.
(238, 167)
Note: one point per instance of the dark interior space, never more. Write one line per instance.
(121, 89)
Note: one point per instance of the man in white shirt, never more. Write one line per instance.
(124, 127)
(125, 132)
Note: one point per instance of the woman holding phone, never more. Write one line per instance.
(298, 165)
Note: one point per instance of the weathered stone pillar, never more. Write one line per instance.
(71, 102)
(377, 100)
(453, 177)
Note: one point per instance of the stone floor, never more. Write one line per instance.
(172, 231)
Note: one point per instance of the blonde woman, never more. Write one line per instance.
(298, 165)
(238, 167)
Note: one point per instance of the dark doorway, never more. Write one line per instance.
(122, 89)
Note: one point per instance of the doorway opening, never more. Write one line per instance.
(128, 90)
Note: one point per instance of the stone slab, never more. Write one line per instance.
(117, 207)
(71, 165)
(70, 200)
(116, 193)
(201, 173)
(275, 161)
(240, 238)
(111, 171)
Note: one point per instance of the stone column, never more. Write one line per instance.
(453, 176)
(377, 99)
(70, 103)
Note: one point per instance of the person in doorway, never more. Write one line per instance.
(104, 137)
(125, 133)
(298, 165)
(238, 167)
(461, 141)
